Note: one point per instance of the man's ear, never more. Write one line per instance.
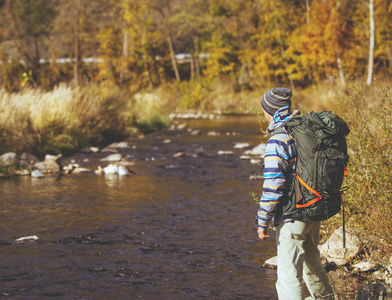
(267, 116)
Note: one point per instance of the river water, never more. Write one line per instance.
(180, 228)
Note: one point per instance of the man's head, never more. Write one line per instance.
(275, 99)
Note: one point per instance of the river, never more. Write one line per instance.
(181, 227)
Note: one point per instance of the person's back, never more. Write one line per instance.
(298, 255)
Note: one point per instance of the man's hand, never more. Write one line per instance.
(263, 233)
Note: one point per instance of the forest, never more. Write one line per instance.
(144, 44)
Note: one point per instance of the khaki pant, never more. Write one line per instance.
(299, 258)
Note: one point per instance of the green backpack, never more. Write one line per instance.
(314, 193)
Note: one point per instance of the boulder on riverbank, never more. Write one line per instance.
(27, 160)
(334, 251)
(53, 162)
(8, 159)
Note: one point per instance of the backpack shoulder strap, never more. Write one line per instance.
(286, 127)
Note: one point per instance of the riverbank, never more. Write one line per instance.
(210, 154)
(67, 120)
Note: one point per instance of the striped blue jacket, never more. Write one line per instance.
(279, 167)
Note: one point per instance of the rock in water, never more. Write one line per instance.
(25, 239)
(223, 152)
(112, 157)
(122, 171)
(271, 263)
(258, 150)
(121, 145)
(241, 145)
(79, 170)
(110, 169)
(37, 174)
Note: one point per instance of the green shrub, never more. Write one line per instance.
(152, 123)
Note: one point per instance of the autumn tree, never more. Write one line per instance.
(28, 24)
(192, 28)
(318, 47)
(129, 45)
(275, 23)
(134, 43)
(221, 44)
(383, 36)
(74, 37)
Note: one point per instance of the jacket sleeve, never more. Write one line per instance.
(277, 164)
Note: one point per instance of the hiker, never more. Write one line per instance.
(297, 241)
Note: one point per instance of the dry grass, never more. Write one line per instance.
(65, 119)
(368, 112)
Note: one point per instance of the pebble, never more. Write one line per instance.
(181, 126)
(195, 132)
(221, 152)
(178, 154)
(213, 133)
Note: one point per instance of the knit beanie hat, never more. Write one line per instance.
(275, 99)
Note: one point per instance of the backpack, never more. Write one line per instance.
(314, 193)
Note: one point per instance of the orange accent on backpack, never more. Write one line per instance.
(318, 196)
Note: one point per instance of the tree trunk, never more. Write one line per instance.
(389, 53)
(192, 66)
(76, 46)
(125, 48)
(35, 63)
(307, 13)
(197, 55)
(341, 73)
(173, 57)
(124, 54)
(371, 43)
(146, 65)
